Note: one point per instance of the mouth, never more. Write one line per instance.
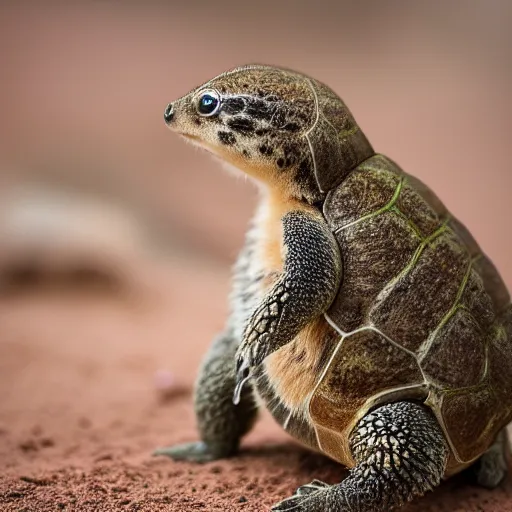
(195, 139)
(198, 142)
(189, 136)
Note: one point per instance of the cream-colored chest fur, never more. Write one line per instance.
(259, 265)
(293, 370)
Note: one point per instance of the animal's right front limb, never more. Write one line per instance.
(221, 424)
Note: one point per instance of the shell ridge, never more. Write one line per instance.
(427, 344)
(436, 408)
(306, 135)
(383, 209)
(410, 223)
(319, 381)
(393, 342)
(409, 266)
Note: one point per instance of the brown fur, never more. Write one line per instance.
(271, 251)
(292, 382)
(293, 370)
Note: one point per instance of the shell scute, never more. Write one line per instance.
(457, 357)
(412, 308)
(477, 302)
(365, 363)
(493, 283)
(425, 193)
(415, 208)
(471, 421)
(361, 194)
(375, 251)
(500, 360)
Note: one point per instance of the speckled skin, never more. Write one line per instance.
(364, 316)
(399, 453)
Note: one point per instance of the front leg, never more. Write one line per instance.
(305, 289)
(400, 453)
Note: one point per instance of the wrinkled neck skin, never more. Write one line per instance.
(268, 184)
(269, 187)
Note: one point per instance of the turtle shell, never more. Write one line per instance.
(421, 314)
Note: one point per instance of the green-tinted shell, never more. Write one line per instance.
(421, 313)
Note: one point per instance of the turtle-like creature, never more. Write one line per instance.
(364, 315)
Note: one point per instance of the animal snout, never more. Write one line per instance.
(169, 113)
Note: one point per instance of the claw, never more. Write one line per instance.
(243, 374)
(314, 486)
(307, 497)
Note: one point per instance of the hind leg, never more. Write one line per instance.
(221, 424)
(400, 454)
(491, 468)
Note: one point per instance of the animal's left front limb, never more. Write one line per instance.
(304, 290)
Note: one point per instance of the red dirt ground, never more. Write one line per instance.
(80, 411)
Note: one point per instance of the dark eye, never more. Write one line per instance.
(208, 103)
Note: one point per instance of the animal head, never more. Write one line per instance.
(282, 128)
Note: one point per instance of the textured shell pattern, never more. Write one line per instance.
(421, 314)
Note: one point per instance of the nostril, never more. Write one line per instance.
(169, 113)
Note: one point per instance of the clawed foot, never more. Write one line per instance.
(194, 452)
(250, 353)
(256, 340)
(307, 498)
(247, 357)
(243, 374)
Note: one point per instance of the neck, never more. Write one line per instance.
(272, 199)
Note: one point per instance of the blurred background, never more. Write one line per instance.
(95, 189)
(84, 85)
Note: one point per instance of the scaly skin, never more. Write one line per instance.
(491, 468)
(400, 453)
(221, 424)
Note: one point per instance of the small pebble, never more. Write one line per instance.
(168, 386)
